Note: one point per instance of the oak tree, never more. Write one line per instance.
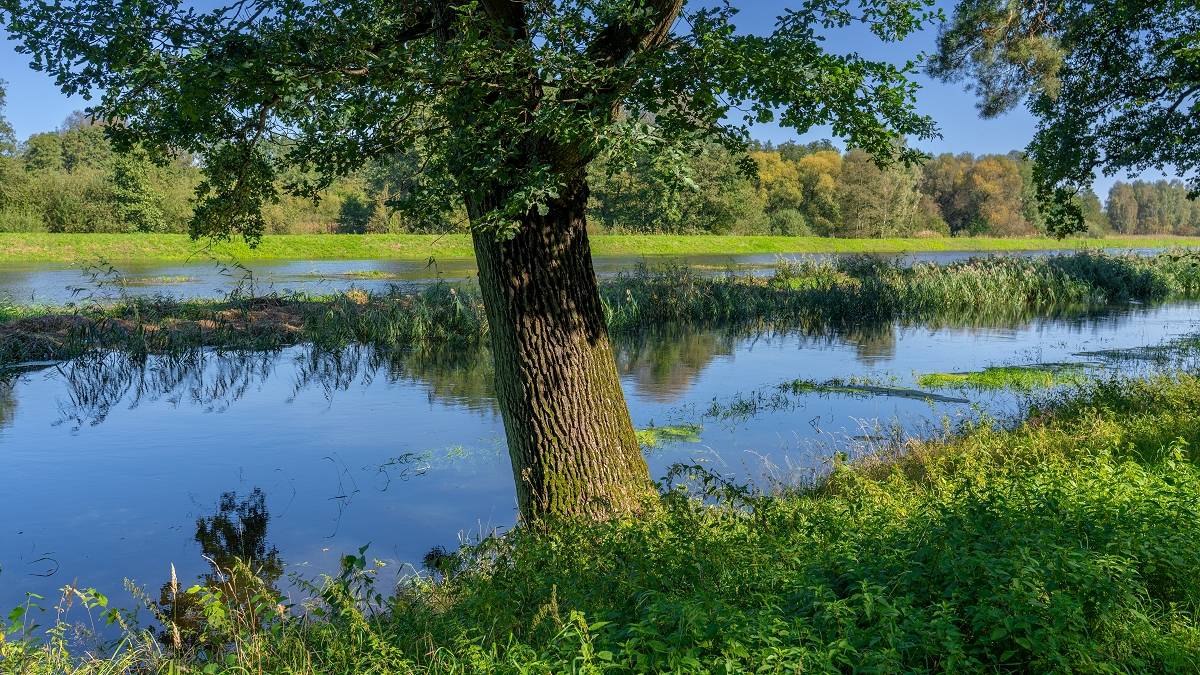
(508, 102)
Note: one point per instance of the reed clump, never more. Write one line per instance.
(805, 295)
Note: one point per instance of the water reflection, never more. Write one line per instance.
(341, 431)
(8, 401)
(99, 381)
(658, 366)
(663, 364)
(244, 568)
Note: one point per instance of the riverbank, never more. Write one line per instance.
(117, 248)
(1065, 543)
(807, 295)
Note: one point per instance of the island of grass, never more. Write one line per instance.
(807, 295)
(26, 247)
(1015, 378)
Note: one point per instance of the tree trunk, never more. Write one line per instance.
(573, 447)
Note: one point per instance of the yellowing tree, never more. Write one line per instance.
(819, 174)
(996, 186)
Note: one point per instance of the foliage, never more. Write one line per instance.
(1113, 84)
(1159, 207)
(876, 203)
(132, 193)
(507, 103)
(8, 141)
(797, 192)
(1063, 544)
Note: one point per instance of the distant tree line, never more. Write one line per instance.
(72, 180)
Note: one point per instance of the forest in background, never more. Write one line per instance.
(71, 180)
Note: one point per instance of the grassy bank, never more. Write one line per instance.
(1067, 543)
(811, 296)
(86, 248)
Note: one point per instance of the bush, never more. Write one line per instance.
(789, 223)
(21, 220)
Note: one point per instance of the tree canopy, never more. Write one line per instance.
(488, 92)
(1113, 83)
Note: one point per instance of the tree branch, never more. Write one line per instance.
(620, 41)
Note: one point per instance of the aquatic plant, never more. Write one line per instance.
(656, 437)
(156, 280)
(1017, 378)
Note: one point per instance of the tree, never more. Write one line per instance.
(874, 201)
(12, 176)
(944, 180)
(1114, 85)
(995, 196)
(794, 152)
(819, 176)
(1158, 207)
(508, 102)
(8, 140)
(43, 153)
(133, 194)
(84, 145)
(778, 181)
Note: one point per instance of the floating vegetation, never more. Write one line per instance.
(786, 395)
(414, 464)
(655, 437)
(365, 275)
(1179, 348)
(164, 280)
(851, 388)
(1016, 378)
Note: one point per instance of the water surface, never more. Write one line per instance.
(115, 468)
(206, 278)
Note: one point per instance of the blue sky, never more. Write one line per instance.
(35, 104)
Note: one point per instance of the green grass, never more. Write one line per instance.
(1067, 544)
(29, 247)
(1019, 378)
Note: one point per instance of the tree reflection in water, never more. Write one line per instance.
(8, 401)
(660, 365)
(244, 570)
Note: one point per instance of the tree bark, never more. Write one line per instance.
(573, 447)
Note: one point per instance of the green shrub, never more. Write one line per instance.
(789, 223)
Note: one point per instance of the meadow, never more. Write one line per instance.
(33, 247)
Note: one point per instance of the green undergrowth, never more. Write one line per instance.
(1063, 544)
(810, 296)
(1018, 378)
